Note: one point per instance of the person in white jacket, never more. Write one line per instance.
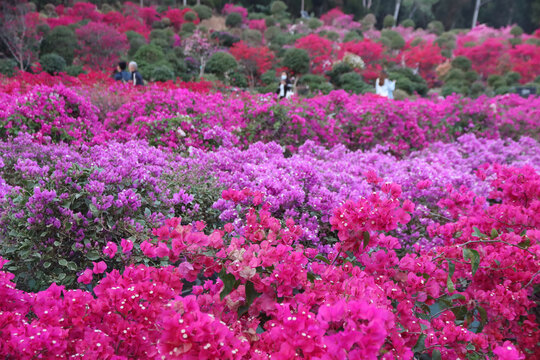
(384, 86)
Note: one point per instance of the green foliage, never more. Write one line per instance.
(220, 63)
(316, 83)
(278, 8)
(149, 54)
(203, 12)
(238, 79)
(496, 80)
(269, 21)
(314, 23)
(368, 22)
(462, 63)
(408, 23)
(471, 76)
(512, 77)
(188, 28)
(515, 41)
(417, 41)
(252, 37)
(162, 73)
(224, 38)
(396, 41)
(190, 16)
(62, 41)
(332, 35)
(136, 40)
(408, 81)
(52, 63)
(516, 31)
(268, 77)
(533, 41)
(296, 60)
(256, 16)
(7, 67)
(435, 27)
(75, 70)
(233, 20)
(338, 70)
(446, 41)
(455, 75)
(352, 36)
(352, 82)
(388, 21)
(164, 38)
(272, 33)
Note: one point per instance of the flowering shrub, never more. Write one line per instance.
(60, 206)
(261, 288)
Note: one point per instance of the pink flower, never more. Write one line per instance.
(100, 267)
(86, 277)
(162, 250)
(148, 249)
(110, 249)
(507, 352)
(127, 245)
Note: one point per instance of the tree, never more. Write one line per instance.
(18, 32)
(100, 45)
(198, 47)
(396, 10)
(477, 6)
(254, 61)
(221, 63)
(296, 60)
(60, 40)
(320, 51)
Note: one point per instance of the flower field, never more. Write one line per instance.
(175, 222)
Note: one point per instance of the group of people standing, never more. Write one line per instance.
(128, 73)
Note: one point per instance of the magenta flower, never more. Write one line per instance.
(127, 245)
(110, 249)
(86, 277)
(100, 267)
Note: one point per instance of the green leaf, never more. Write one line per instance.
(366, 239)
(525, 244)
(92, 255)
(93, 209)
(477, 233)
(471, 347)
(449, 283)
(251, 295)
(46, 264)
(147, 212)
(63, 262)
(322, 258)
(483, 318)
(229, 283)
(470, 254)
(420, 344)
(494, 233)
(436, 355)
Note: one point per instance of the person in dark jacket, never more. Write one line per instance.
(121, 73)
(285, 89)
(136, 77)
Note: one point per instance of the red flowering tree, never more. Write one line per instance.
(329, 17)
(84, 10)
(100, 45)
(320, 51)
(488, 57)
(177, 17)
(427, 56)
(253, 60)
(525, 59)
(371, 52)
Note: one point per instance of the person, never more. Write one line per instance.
(285, 86)
(136, 76)
(121, 74)
(384, 86)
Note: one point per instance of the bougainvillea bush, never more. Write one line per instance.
(184, 224)
(255, 292)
